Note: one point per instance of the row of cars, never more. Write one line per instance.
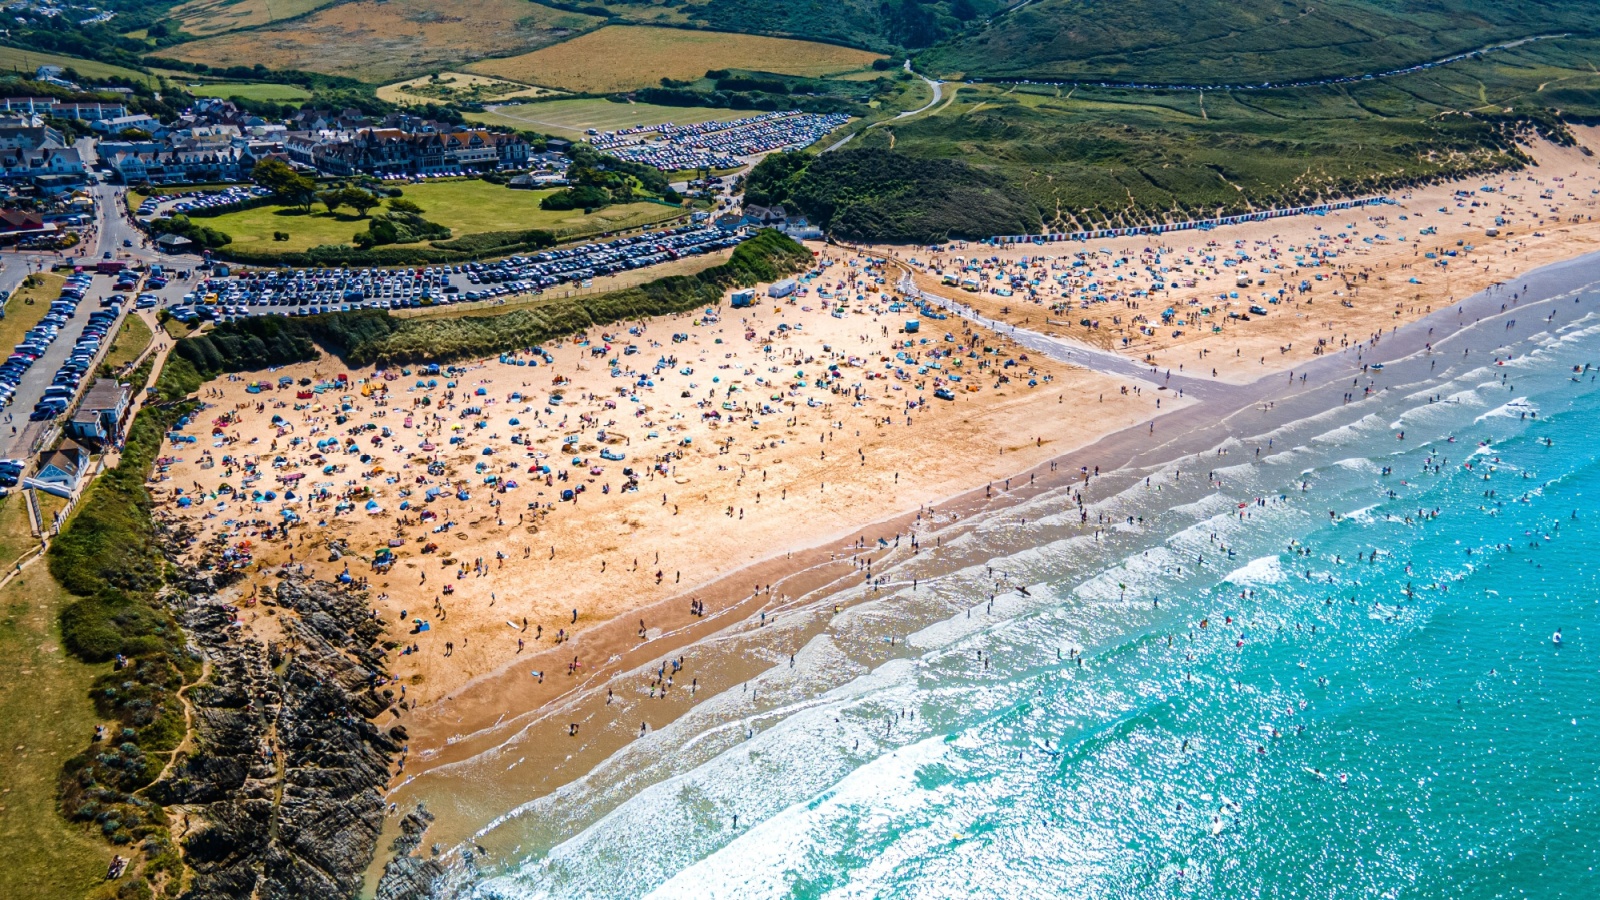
(189, 201)
(550, 268)
(303, 292)
(64, 385)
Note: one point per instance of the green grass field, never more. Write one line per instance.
(571, 118)
(45, 706)
(26, 61)
(277, 93)
(131, 339)
(21, 314)
(464, 206)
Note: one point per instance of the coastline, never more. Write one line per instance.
(474, 720)
(540, 744)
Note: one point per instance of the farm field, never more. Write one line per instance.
(627, 57)
(379, 42)
(458, 87)
(571, 118)
(207, 17)
(465, 207)
(13, 59)
(277, 93)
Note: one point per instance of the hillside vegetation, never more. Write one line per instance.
(1203, 42)
(874, 24)
(1042, 158)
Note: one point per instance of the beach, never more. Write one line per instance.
(773, 506)
(1322, 283)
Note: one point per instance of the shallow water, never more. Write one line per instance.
(1340, 725)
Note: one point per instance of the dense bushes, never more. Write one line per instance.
(373, 336)
(202, 235)
(110, 557)
(499, 243)
(583, 196)
(398, 227)
(873, 194)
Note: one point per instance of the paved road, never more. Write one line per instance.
(17, 434)
(938, 94)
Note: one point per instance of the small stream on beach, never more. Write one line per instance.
(1302, 648)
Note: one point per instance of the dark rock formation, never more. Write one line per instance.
(282, 787)
(407, 877)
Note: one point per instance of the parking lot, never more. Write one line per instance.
(45, 372)
(718, 145)
(313, 291)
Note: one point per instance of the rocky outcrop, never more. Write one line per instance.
(281, 789)
(407, 877)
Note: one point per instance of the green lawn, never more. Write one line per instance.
(571, 118)
(277, 93)
(464, 206)
(46, 717)
(131, 339)
(13, 59)
(21, 314)
(176, 329)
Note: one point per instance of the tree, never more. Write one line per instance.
(400, 204)
(332, 199)
(363, 201)
(289, 186)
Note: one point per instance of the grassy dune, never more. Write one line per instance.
(1064, 159)
(1239, 41)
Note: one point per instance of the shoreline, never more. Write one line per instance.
(496, 711)
(1200, 426)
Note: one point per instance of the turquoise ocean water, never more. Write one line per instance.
(1344, 725)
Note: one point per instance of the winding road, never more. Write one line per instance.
(938, 94)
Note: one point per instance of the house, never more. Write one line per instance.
(30, 137)
(395, 151)
(801, 229)
(20, 220)
(765, 216)
(99, 417)
(183, 164)
(90, 112)
(62, 164)
(174, 243)
(60, 470)
(119, 124)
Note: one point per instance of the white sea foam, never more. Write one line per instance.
(1263, 570)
